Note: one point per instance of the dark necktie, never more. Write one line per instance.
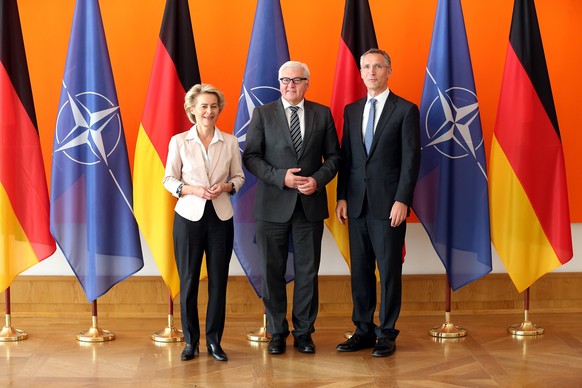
(369, 134)
(295, 129)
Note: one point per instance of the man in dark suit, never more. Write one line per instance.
(380, 163)
(292, 148)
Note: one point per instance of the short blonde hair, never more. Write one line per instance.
(195, 91)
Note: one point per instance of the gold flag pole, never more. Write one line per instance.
(526, 327)
(8, 333)
(170, 333)
(260, 335)
(447, 329)
(95, 333)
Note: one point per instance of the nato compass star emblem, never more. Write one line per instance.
(89, 130)
(452, 124)
(253, 97)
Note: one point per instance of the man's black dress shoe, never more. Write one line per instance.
(277, 344)
(189, 352)
(355, 343)
(384, 348)
(304, 343)
(216, 352)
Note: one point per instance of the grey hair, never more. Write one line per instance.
(294, 65)
(377, 51)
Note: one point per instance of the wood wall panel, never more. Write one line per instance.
(146, 296)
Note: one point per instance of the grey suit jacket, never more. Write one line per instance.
(389, 173)
(269, 153)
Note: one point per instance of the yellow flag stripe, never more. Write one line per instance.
(154, 209)
(16, 253)
(516, 232)
(338, 231)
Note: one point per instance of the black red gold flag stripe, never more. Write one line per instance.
(175, 70)
(24, 206)
(358, 36)
(530, 219)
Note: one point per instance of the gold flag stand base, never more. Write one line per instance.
(348, 334)
(260, 335)
(526, 327)
(9, 334)
(95, 334)
(169, 334)
(447, 329)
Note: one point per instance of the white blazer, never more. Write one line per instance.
(186, 165)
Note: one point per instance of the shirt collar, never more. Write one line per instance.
(286, 104)
(380, 98)
(193, 135)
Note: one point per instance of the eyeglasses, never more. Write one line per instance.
(375, 66)
(296, 80)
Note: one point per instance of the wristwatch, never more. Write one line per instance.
(233, 191)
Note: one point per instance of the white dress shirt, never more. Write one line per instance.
(380, 102)
(300, 114)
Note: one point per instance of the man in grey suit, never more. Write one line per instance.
(380, 163)
(292, 148)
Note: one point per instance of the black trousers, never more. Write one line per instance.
(373, 240)
(273, 242)
(192, 239)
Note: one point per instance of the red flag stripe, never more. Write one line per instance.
(358, 36)
(175, 70)
(162, 121)
(21, 169)
(347, 85)
(536, 156)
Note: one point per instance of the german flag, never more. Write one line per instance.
(175, 70)
(358, 36)
(25, 237)
(530, 221)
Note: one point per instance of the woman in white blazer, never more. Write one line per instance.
(203, 170)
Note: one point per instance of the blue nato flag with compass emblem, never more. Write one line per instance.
(267, 52)
(92, 217)
(451, 198)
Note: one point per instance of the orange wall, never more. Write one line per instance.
(222, 31)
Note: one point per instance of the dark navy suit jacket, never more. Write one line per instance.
(389, 173)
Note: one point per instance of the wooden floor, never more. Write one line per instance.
(486, 357)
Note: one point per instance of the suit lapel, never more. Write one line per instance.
(309, 124)
(192, 147)
(281, 117)
(217, 150)
(358, 118)
(387, 111)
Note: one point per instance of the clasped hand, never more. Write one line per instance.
(208, 193)
(305, 185)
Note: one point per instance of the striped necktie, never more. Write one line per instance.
(369, 134)
(295, 129)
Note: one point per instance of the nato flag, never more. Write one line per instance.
(91, 194)
(451, 198)
(267, 52)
